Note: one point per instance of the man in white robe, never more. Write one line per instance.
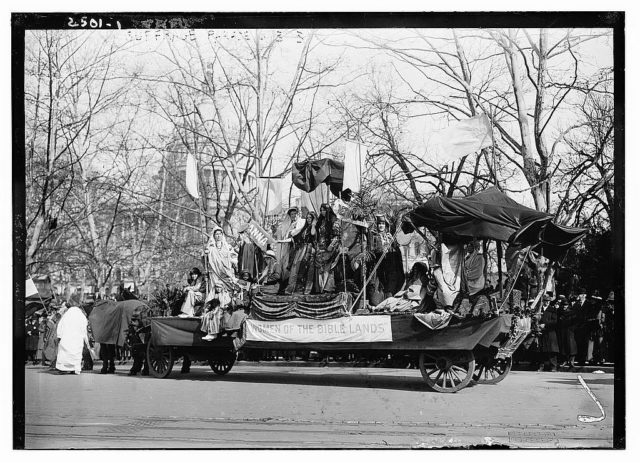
(72, 332)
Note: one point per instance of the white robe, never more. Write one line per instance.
(72, 332)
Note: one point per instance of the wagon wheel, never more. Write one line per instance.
(491, 370)
(447, 372)
(222, 364)
(160, 359)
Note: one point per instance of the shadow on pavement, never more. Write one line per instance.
(325, 379)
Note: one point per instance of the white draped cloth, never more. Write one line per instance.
(72, 332)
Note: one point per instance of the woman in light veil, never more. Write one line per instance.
(221, 257)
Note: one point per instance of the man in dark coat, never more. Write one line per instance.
(549, 339)
(566, 333)
(581, 308)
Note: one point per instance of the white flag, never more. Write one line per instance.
(312, 200)
(192, 177)
(270, 190)
(354, 157)
(462, 138)
(30, 288)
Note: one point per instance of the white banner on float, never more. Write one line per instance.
(298, 330)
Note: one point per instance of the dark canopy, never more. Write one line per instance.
(309, 174)
(491, 214)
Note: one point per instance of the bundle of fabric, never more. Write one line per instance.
(278, 307)
(434, 320)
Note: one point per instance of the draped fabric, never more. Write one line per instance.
(72, 332)
(247, 259)
(309, 174)
(110, 320)
(491, 214)
(407, 332)
(221, 257)
(324, 306)
(474, 272)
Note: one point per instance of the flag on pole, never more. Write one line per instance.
(192, 177)
(30, 288)
(354, 157)
(312, 200)
(270, 190)
(462, 138)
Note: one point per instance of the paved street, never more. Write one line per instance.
(266, 406)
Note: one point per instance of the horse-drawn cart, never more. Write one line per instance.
(447, 357)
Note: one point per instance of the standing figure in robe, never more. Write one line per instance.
(290, 228)
(390, 273)
(304, 245)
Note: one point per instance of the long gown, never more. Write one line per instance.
(72, 332)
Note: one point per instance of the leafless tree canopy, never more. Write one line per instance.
(110, 120)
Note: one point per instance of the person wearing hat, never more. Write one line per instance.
(270, 277)
(595, 329)
(566, 332)
(549, 339)
(581, 307)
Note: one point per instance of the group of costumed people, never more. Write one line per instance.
(315, 254)
(309, 255)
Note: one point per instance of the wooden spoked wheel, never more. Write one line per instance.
(221, 364)
(447, 372)
(491, 370)
(160, 359)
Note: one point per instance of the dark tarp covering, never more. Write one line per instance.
(174, 331)
(407, 334)
(491, 214)
(110, 320)
(309, 174)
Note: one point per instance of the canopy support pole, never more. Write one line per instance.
(485, 255)
(499, 247)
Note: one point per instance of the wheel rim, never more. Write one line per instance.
(222, 365)
(447, 373)
(492, 370)
(160, 359)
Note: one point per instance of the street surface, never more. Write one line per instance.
(303, 407)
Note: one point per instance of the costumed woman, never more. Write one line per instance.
(301, 276)
(290, 227)
(327, 236)
(72, 332)
(221, 257)
(389, 277)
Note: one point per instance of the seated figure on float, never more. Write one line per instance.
(193, 293)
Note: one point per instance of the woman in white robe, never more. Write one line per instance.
(72, 332)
